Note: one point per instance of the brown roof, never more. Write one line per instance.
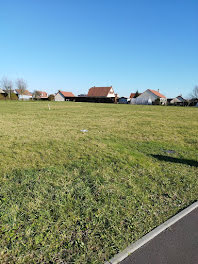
(133, 94)
(67, 94)
(26, 92)
(157, 93)
(43, 94)
(99, 91)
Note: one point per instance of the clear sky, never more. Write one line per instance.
(72, 45)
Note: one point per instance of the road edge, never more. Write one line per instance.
(145, 239)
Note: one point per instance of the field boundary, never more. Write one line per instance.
(142, 241)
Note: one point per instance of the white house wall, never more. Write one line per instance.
(59, 97)
(111, 93)
(24, 97)
(147, 95)
(147, 98)
(141, 101)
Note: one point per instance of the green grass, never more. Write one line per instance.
(73, 197)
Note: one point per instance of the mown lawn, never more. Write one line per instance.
(73, 197)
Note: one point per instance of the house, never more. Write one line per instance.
(8, 94)
(42, 95)
(132, 95)
(101, 92)
(64, 96)
(179, 100)
(23, 95)
(2, 92)
(100, 95)
(150, 97)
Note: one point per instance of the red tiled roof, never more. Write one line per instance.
(26, 92)
(43, 94)
(133, 94)
(99, 91)
(67, 94)
(157, 93)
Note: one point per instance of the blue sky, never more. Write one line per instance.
(75, 44)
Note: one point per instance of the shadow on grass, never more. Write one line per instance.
(176, 160)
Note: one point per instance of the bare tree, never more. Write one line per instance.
(194, 94)
(7, 85)
(36, 94)
(21, 86)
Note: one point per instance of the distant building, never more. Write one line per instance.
(42, 96)
(23, 95)
(64, 96)
(132, 95)
(1, 91)
(149, 97)
(101, 92)
(99, 95)
(7, 92)
(179, 100)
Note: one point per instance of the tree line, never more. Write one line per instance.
(7, 86)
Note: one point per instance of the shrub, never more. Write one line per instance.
(51, 97)
(13, 96)
(2, 97)
(157, 101)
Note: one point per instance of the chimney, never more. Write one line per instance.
(158, 90)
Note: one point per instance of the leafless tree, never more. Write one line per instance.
(36, 94)
(194, 94)
(21, 85)
(6, 85)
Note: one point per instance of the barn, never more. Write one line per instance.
(99, 95)
(64, 96)
(149, 97)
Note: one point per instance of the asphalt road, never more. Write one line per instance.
(176, 245)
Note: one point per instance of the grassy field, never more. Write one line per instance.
(73, 197)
